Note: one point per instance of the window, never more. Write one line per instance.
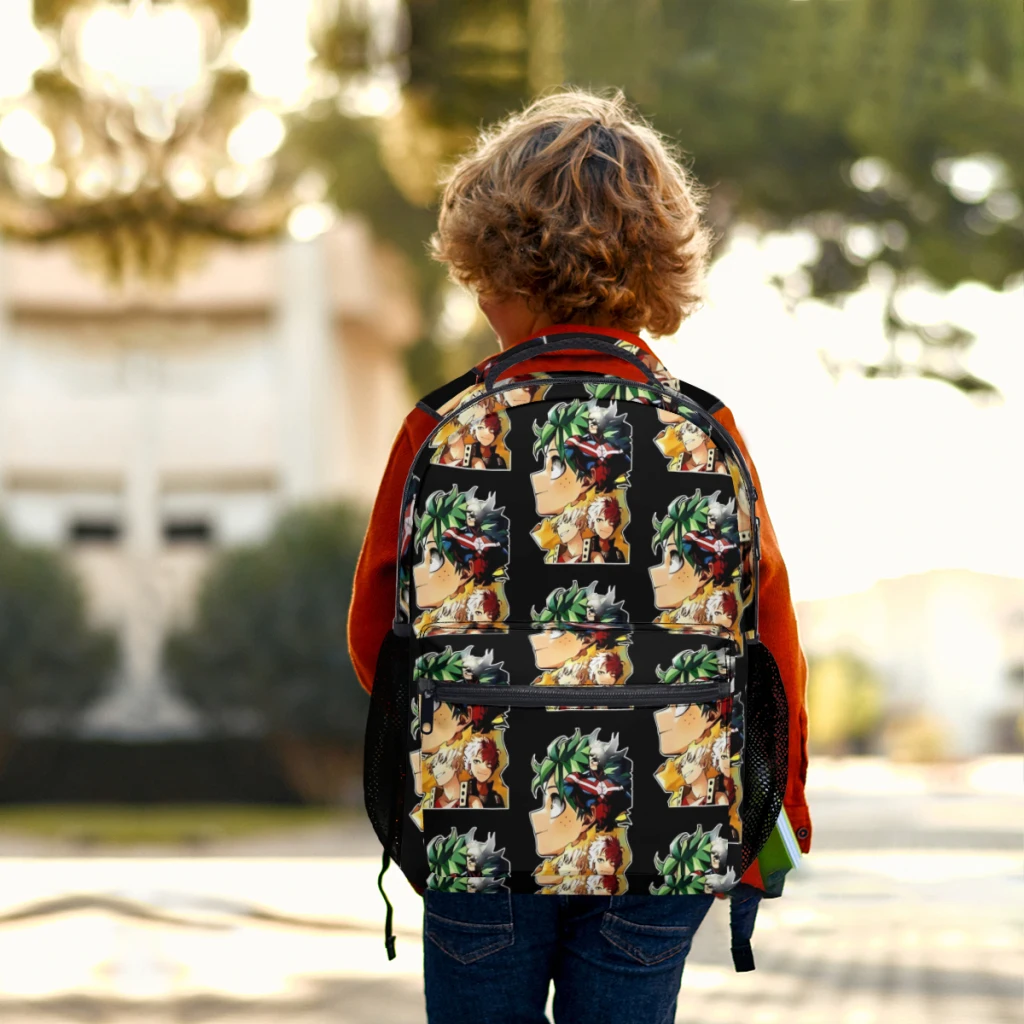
(94, 530)
(188, 531)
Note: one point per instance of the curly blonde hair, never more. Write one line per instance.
(577, 205)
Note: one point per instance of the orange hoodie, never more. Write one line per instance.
(373, 593)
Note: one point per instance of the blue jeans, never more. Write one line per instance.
(488, 959)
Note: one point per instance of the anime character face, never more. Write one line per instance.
(682, 724)
(554, 647)
(486, 430)
(676, 579)
(482, 758)
(722, 609)
(570, 862)
(449, 721)
(688, 556)
(456, 447)
(575, 802)
(693, 764)
(568, 525)
(605, 855)
(556, 824)
(571, 674)
(606, 669)
(691, 436)
(444, 769)
(463, 539)
(604, 516)
(722, 760)
(556, 485)
(573, 460)
(435, 577)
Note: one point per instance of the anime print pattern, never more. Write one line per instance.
(637, 392)
(580, 829)
(696, 863)
(405, 549)
(463, 863)
(697, 582)
(528, 392)
(460, 580)
(580, 491)
(688, 448)
(461, 758)
(695, 737)
(474, 440)
(596, 654)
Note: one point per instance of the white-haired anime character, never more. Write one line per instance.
(719, 879)
(449, 791)
(486, 867)
(571, 861)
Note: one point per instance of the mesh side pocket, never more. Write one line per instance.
(766, 752)
(385, 756)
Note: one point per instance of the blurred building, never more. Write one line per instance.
(142, 431)
(948, 644)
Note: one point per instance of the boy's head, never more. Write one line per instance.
(577, 209)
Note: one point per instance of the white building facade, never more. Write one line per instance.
(142, 431)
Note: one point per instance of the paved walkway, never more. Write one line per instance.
(908, 912)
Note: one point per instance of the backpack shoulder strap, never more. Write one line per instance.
(703, 398)
(431, 403)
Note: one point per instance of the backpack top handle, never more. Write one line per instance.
(558, 342)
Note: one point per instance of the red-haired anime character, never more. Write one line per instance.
(481, 758)
(604, 515)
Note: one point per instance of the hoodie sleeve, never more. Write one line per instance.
(778, 628)
(372, 607)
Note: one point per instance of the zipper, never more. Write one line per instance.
(676, 396)
(705, 632)
(546, 696)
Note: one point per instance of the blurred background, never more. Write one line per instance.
(215, 309)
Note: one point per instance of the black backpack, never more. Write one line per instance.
(573, 698)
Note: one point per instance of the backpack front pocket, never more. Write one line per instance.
(572, 789)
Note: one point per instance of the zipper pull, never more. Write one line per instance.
(427, 712)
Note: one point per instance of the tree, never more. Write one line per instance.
(893, 130)
(53, 664)
(266, 648)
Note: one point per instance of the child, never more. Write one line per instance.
(572, 214)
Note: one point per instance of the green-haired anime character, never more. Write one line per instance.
(587, 789)
(584, 445)
(695, 864)
(684, 723)
(463, 863)
(699, 545)
(600, 646)
(464, 540)
(449, 666)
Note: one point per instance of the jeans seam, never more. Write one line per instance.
(634, 953)
(478, 953)
(481, 926)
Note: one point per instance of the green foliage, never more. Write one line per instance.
(845, 696)
(53, 663)
(775, 101)
(268, 635)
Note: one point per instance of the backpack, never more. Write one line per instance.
(573, 698)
